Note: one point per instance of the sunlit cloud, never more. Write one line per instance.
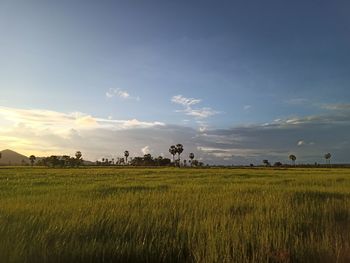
(146, 150)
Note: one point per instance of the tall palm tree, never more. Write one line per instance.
(179, 150)
(32, 159)
(191, 156)
(126, 154)
(173, 151)
(78, 156)
(293, 158)
(328, 156)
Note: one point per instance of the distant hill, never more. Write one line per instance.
(9, 157)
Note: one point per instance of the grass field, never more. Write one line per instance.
(174, 215)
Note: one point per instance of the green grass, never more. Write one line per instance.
(174, 215)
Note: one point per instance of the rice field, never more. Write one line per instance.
(174, 215)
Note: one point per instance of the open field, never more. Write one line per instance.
(174, 215)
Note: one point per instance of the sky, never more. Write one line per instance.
(235, 82)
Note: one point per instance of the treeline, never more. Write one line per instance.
(59, 161)
(146, 160)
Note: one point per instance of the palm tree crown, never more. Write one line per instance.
(173, 151)
(293, 158)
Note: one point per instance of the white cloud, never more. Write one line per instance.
(301, 143)
(201, 113)
(123, 94)
(146, 150)
(187, 103)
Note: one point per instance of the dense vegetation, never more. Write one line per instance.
(174, 215)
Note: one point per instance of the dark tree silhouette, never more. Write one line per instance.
(328, 156)
(32, 159)
(173, 151)
(126, 154)
(293, 158)
(191, 156)
(179, 150)
(266, 162)
(78, 156)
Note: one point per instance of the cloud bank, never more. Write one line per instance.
(44, 132)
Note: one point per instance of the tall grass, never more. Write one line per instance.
(174, 215)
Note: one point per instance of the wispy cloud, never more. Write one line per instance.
(187, 103)
(297, 101)
(337, 107)
(123, 94)
(247, 107)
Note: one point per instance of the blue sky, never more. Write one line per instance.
(236, 64)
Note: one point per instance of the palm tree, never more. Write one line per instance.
(191, 156)
(293, 158)
(126, 154)
(78, 156)
(173, 151)
(32, 159)
(179, 150)
(328, 156)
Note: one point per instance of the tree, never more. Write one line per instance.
(173, 151)
(293, 158)
(278, 164)
(191, 156)
(67, 161)
(179, 150)
(32, 159)
(266, 162)
(126, 154)
(78, 156)
(328, 156)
